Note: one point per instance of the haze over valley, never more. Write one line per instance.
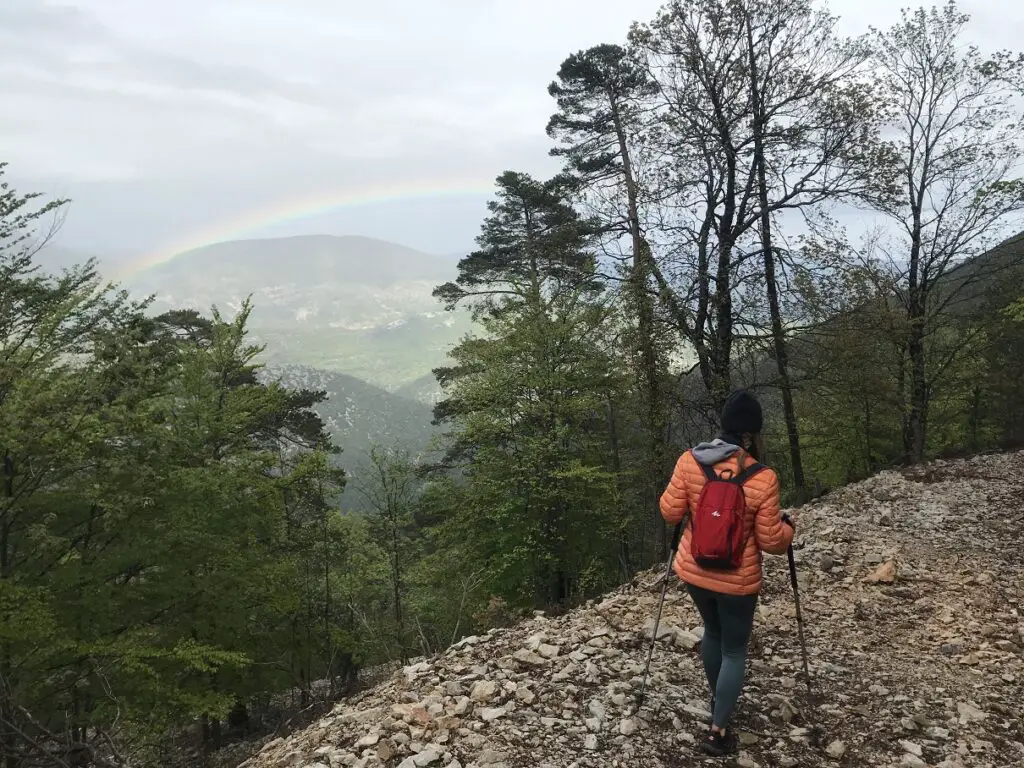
(353, 316)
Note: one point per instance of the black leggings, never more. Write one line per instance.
(728, 621)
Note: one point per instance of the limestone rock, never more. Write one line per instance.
(483, 691)
(836, 749)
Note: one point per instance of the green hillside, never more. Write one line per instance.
(390, 356)
(358, 414)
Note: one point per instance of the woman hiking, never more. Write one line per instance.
(725, 593)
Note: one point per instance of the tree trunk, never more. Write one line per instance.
(778, 332)
(396, 585)
(625, 564)
(918, 396)
(328, 643)
(8, 739)
(868, 455)
(975, 418)
(639, 284)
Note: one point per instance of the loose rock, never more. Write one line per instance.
(916, 654)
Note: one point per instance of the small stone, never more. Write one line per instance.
(491, 757)
(884, 574)
(747, 739)
(428, 756)
(414, 671)
(912, 748)
(628, 727)
(529, 658)
(836, 749)
(590, 743)
(548, 651)
(526, 696)
(369, 740)
(913, 761)
(686, 640)
(969, 713)
(483, 691)
(492, 713)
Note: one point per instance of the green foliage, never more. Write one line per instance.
(177, 538)
(169, 536)
(535, 507)
(1015, 311)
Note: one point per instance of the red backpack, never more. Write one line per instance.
(717, 540)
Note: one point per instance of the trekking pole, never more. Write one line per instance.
(799, 616)
(661, 604)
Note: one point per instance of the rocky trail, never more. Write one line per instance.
(912, 590)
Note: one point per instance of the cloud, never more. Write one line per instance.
(211, 107)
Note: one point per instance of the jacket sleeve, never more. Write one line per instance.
(773, 535)
(674, 501)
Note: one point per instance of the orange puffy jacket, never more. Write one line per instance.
(763, 518)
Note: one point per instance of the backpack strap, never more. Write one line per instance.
(709, 471)
(748, 473)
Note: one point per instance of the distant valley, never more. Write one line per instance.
(349, 315)
(354, 305)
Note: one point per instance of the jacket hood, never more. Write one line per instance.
(711, 453)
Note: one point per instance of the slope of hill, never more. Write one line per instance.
(351, 304)
(912, 590)
(359, 414)
(424, 389)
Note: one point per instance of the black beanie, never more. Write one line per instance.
(741, 414)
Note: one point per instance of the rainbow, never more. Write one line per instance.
(292, 209)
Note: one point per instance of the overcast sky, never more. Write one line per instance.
(168, 120)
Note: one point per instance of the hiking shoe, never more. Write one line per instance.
(718, 745)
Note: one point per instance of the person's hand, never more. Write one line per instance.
(789, 521)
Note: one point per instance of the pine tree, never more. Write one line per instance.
(524, 401)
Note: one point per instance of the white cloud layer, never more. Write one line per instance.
(164, 118)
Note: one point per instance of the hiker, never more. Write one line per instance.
(722, 572)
